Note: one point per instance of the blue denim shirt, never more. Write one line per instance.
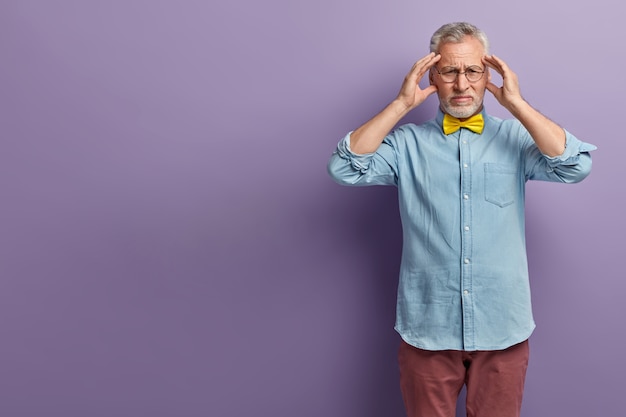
(463, 281)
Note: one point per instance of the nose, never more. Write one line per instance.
(461, 83)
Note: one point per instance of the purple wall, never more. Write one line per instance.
(171, 244)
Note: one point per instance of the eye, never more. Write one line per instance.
(474, 70)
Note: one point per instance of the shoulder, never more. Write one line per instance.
(414, 130)
(410, 133)
(509, 126)
(496, 121)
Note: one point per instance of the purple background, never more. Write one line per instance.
(171, 244)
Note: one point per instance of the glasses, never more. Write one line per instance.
(449, 75)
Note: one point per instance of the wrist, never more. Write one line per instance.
(399, 107)
(517, 106)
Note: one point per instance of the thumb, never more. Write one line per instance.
(431, 89)
(493, 89)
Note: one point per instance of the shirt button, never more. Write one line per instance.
(465, 196)
(466, 228)
(465, 292)
(466, 261)
(464, 165)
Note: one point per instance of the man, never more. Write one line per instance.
(463, 308)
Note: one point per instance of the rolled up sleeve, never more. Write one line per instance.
(574, 164)
(349, 168)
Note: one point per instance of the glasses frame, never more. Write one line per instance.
(457, 73)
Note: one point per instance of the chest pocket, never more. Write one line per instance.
(500, 184)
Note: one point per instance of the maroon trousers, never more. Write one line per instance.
(432, 380)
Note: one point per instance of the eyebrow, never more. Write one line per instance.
(451, 67)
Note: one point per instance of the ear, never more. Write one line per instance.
(430, 77)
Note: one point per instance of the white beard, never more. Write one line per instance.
(462, 112)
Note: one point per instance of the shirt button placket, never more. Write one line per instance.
(466, 242)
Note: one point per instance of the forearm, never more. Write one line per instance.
(549, 136)
(368, 137)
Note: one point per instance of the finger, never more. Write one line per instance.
(428, 65)
(431, 89)
(427, 58)
(503, 67)
(499, 61)
(492, 63)
(421, 67)
(424, 64)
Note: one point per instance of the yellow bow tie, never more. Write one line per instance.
(452, 124)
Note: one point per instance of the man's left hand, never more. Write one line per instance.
(509, 94)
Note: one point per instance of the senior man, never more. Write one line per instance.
(463, 308)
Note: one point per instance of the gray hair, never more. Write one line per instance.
(454, 32)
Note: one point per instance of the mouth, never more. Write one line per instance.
(461, 100)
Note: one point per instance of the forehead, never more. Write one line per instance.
(462, 54)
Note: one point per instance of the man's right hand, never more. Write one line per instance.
(368, 137)
(411, 95)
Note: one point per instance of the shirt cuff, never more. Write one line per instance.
(573, 148)
(360, 162)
